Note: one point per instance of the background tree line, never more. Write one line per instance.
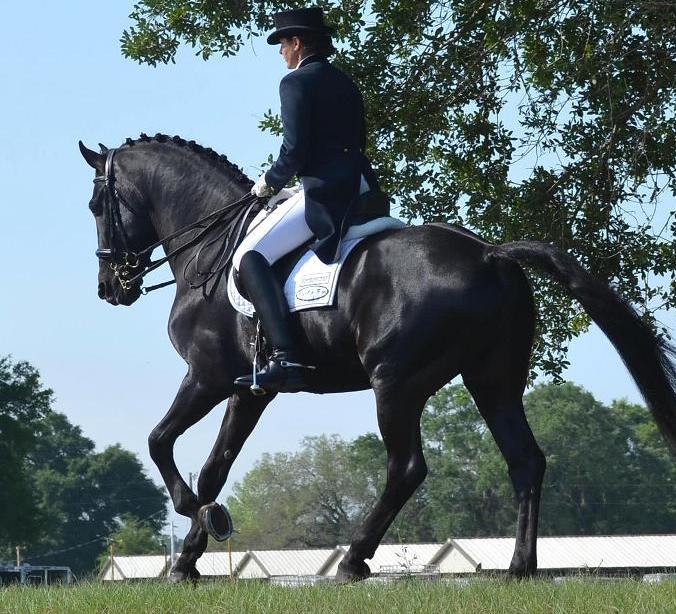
(60, 499)
(548, 120)
(609, 472)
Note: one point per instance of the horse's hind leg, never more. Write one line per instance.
(399, 422)
(240, 418)
(505, 417)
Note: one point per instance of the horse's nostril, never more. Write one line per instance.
(102, 290)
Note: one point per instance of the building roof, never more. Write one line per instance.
(268, 563)
(134, 567)
(219, 563)
(462, 555)
(578, 552)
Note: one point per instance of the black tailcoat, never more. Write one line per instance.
(324, 136)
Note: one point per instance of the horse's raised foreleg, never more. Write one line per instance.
(507, 422)
(399, 422)
(240, 418)
(194, 400)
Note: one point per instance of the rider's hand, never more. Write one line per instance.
(261, 189)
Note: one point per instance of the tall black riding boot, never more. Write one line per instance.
(283, 373)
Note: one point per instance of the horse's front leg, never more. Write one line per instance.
(240, 418)
(194, 400)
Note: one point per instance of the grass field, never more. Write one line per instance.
(478, 597)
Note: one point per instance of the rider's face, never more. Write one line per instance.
(290, 50)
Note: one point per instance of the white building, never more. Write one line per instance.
(135, 567)
(635, 554)
(609, 553)
(265, 564)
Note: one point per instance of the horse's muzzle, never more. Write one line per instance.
(114, 294)
(107, 293)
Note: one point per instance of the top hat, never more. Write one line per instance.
(298, 21)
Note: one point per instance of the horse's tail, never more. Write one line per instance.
(648, 357)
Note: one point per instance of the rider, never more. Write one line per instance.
(323, 143)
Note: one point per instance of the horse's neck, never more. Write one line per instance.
(183, 198)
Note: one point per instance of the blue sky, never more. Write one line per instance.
(113, 370)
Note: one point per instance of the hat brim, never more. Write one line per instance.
(288, 31)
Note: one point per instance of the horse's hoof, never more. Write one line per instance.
(215, 519)
(179, 577)
(521, 572)
(351, 572)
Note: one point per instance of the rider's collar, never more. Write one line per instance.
(306, 60)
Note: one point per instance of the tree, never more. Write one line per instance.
(468, 492)
(134, 537)
(87, 502)
(59, 498)
(295, 500)
(608, 471)
(23, 401)
(312, 498)
(522, 120)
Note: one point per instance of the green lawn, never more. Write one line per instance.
(478, 597)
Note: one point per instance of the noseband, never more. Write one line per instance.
(126, 264)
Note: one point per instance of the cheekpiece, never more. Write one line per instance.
(298, 21)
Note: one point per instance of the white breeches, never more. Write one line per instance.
(276, 233)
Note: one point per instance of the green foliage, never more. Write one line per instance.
(23, 401)
(305, 499)
(87, 501)
(609, 472)
(523, 120)
(60, 499)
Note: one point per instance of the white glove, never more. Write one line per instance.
(261, 189)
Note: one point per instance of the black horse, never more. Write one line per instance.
(415, 308)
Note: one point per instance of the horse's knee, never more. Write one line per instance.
(158, 443)
(406, 476)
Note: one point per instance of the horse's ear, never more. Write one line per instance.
(96, 160)
(103, 148)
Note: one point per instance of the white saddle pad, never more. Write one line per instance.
(312, 284)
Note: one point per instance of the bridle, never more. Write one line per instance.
(121, 259)
(127, 264)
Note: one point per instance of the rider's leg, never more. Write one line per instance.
(283, 372)
(278, 233)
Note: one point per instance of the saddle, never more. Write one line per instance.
(308, 282)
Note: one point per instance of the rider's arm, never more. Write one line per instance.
(296, 125)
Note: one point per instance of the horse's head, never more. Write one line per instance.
(123, 227)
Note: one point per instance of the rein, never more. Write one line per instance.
(125, 262)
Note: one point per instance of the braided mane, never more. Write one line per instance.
(205, 152)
